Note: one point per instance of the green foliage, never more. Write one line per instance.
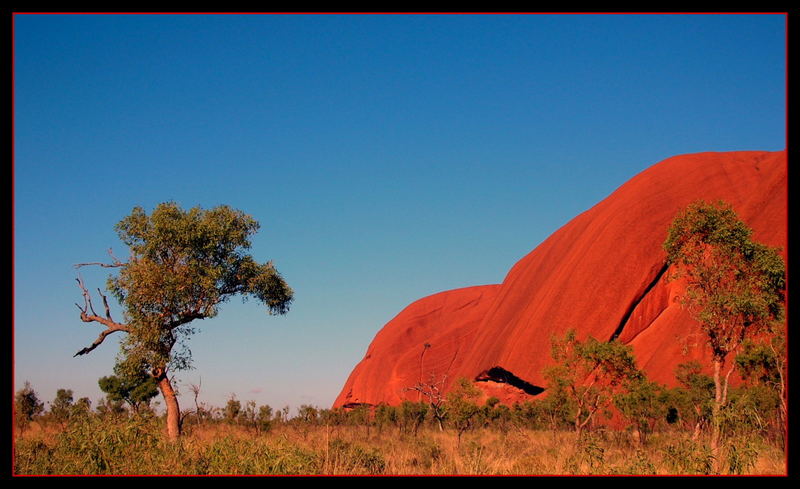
(282, 415)
(308, 414)
(640, 464)
(412, 415)
(332, 417)
(136, 445)
(359, 415)
(642, 403)
(750, 410)
(497, 415)
(131, 384)
(61, 408)
(81, 408)
(694, 401)
(688, 457)
(461, 407)
(183, 265)
(764, 363)
(385, 416)
(757, 362)
(110, 408)
(233, 410)
(99, 447)
(264, 418)
(699, 386)
(587, 374)
(593, 453)
(734, 285)
(589, 457)
(248, 414)
(26, 406)
(742, 456)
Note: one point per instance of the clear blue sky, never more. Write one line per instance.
(386, 157)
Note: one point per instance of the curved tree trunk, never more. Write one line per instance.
(719, 390)
(173, 410)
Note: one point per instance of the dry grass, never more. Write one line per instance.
(224, 449)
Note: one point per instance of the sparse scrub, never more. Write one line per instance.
(135, 444)
(522, 439)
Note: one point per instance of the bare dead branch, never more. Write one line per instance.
(105, 303)
(115, 263)
(100, 339)
(195, 388)
(88, 315)
(87, 298)
(114, 259)
(104, 265)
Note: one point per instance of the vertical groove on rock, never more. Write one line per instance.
(636, 302)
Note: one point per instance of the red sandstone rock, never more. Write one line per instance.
(601, 274)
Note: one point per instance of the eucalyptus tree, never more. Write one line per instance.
(183, 265)
(734, 285)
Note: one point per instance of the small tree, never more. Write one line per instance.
(332, 417)
(589, 374)
(642, 403)
(233, 410)
(461, 407)
(764, 364)
(734, 286)
(361, 416)
(385, 415)
(308, 414)
(264, 419)
(26, 406)
(248, 415)
(490, 411)
(131, 385)
(695, 397)
(201, 413)
(183, 265)
(433, 393)
(62, 408)
(558, 404)
(110, 407)
(82, 408)
(411, 415)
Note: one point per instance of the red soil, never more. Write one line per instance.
(600, 274)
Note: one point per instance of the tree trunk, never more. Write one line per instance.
(715, 416)
(173, 410)
(638, 437)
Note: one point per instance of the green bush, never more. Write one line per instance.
(687, 457)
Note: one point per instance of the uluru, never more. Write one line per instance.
(601, 274)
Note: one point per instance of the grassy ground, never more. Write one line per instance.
(97, 446)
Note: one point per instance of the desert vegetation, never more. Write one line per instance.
(638, 427)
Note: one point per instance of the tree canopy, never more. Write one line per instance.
(26, 405)
(134, 387)
(734, 285)
(588, 373)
